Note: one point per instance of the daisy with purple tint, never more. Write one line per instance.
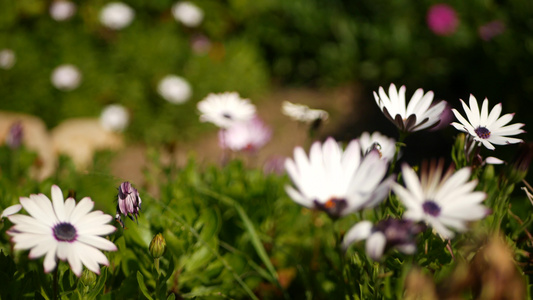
(62, 229)
(336, 181)
(487, 128)
(225, 109)
(386, 234)
(443, 201)
(245, 136)
(129, 202)
(419, 114)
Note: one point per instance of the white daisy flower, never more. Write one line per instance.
(336, 181)
(245, 136)
(10, 210)
(441, 200)
(225, 109)
(114, 117)
(487, 128)
(302, 113)
(174, 89)
(116, 15)
(62, 10)
(187, 13)
(7, 59)
(419, 113)
(386, 234)
(64, 230)
(385, 145)
(66, 77)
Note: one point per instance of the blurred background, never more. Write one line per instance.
(61, 60)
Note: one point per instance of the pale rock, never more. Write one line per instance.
(35, 138)
(81, 138)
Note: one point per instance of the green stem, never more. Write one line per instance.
(399, 145)
(55, 284)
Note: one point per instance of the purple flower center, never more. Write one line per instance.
(431, 208)
(227, 116)
(334, 206)
(482, 132)
(65, 232)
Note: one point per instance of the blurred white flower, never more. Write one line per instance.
(7, 59)
(225, 109)
(174, 89)
(302, 113)
(187, 13)
(337, 181)
(116, 15)
(66, 77)
(62, 10)
(114, 117)
(384, 145)
(249, 136)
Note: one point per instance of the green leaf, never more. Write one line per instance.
(99, 285)
(142, 286)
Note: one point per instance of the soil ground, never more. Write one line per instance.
(286, 135)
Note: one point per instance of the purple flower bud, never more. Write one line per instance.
(14, 137)
(129, 202)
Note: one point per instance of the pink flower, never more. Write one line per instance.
(248, 136)
(442, 19)
(490, 30)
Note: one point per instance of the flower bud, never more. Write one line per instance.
(15, 135)
(158, 246)
(129, 202)
(520, 165)
(88, 278)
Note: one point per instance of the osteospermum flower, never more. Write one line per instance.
(129, 202)
(245, 136)
(336, 181)
(443, 201)
(418, 115)
(485, 128)
(384, 145)
(174, 89)
(62, 10)
(187, 13)
(7, 59)
(66, 77)
(63, 229)
(225, 109)
(303, 113)
(386, 234)
(116, 15)
(114, 117)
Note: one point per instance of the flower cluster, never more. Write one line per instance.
(341, 182)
